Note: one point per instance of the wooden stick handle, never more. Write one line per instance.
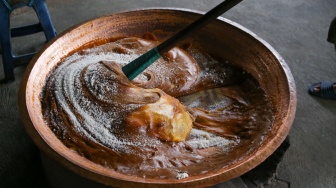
(199, 23)
(134, 68)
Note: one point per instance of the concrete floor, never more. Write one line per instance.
(296, 29)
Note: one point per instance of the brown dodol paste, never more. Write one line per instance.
(96, 111)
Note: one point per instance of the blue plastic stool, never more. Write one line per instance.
(6, 33)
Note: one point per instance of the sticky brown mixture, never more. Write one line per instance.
(94, 110)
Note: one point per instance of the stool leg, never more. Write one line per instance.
(42, 12)
(332, 32)
(6, 47)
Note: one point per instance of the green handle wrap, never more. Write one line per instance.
(138, 65)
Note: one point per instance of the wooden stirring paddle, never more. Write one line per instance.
(134, 68)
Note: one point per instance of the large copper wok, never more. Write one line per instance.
(222, 37)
